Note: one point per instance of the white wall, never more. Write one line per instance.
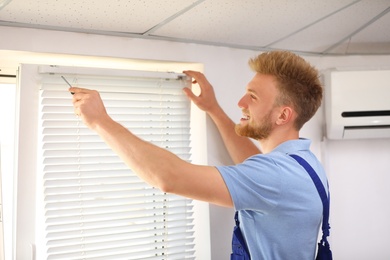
(360, 180)
(358, 170)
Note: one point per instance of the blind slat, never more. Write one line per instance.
(130, 244)
(159, 208)
(94, 231)
(122, 232)
(111, 201)
(145, 251)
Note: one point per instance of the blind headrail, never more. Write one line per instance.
(60, 70)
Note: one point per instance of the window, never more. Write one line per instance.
(94, 207)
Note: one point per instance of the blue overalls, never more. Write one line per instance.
(239, 248)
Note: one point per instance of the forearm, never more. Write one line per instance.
(239, 147)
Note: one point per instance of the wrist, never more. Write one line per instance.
(215, 111)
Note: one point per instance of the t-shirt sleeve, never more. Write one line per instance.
(253, 185)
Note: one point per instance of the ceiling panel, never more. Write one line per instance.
(374, 39)
(250, 22)
(112, 15)
(321, 27)
(338, 28)
(379, 31)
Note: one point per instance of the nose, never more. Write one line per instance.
(242, 103)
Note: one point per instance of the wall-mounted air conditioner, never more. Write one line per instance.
(357, 104)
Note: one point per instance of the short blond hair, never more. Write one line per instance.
(298, 82)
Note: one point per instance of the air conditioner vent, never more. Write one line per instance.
(367, 127)
(366, 113)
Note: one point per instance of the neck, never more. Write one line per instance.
(275, 139)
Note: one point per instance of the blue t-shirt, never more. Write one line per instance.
(279, 208)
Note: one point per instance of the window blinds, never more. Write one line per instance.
(95, 206)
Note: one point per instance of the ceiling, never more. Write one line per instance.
(322, 27)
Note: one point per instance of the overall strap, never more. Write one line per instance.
(239, 248)
(321, 191)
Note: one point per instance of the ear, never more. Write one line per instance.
(285, 115)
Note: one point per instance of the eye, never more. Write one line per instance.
(253, 96)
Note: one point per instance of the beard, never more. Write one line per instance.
(259, 131)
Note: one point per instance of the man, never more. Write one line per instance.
(278, 206)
